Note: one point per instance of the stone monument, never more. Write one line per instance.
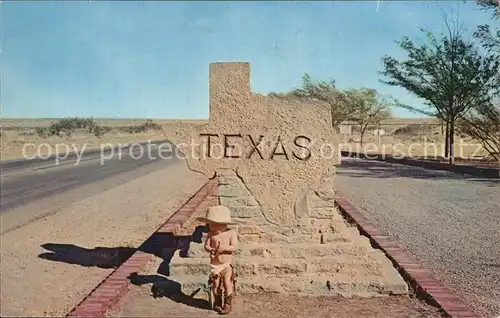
(275, 162)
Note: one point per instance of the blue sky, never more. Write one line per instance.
(150, 59)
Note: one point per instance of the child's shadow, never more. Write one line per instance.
(164, 287)
(181, 243)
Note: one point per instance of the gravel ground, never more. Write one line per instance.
(49, 265)
(449, 222)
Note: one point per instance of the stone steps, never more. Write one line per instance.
(250, 266)
(349, 235)
(299, 250)
(314, 252)
(330, 231)
(309, 284)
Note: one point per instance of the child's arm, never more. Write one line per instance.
(233, 243)
(207, 246)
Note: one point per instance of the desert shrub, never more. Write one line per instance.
(144, 127)
(42, 132)
(101, 130)
(69, 125)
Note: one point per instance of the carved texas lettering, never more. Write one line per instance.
(209, 145)
(279, 143)
(279, 148)
(227, 146)
(308, 155)
(255, 147)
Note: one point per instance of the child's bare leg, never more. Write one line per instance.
(216, 283)
(216, 289)
(226, 280)
(228, 288)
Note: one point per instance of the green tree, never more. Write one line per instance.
(483, 121)
(483, 124)
(326, 92)
(369, 108)
(490, 38)
(448, 73)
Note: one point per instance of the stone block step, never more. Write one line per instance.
(353, 266)
(299, 250)
(312, 285)
(348, 235)
(251, 233)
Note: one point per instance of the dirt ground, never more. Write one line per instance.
(148, 298)
(140, 302)
(50, 264)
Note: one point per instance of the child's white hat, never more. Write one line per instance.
(217, 214)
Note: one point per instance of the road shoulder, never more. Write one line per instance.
(54, 280)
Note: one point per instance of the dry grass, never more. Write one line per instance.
(32, 123)
(416, 139)
(408, 136)
(12, 144)
(19, 133)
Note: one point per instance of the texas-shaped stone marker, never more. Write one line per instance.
(277, 147)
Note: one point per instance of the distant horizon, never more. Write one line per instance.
(151, 59)
(147, 118)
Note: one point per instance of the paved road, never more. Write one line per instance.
(449, 222)
(26, 183)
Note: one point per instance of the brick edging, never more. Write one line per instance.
(463, 169)
(102, 298)
(423, 283)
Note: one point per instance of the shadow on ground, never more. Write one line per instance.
(103, 257)
(164, 287)
(360, 168)
(162, 245)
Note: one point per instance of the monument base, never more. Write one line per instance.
(321, 255)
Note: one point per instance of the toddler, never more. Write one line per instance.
(221, 243)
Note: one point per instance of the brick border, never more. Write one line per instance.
(463, 169)
(423, 283)
(105, 296)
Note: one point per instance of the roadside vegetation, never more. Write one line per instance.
(69, 126)
(365, 107)
(456, 75)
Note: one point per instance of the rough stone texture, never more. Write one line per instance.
(287, 220)
(275, 183)
(322, 255)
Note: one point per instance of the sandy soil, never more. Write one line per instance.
(49, 265)
(140, 302)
